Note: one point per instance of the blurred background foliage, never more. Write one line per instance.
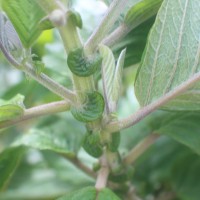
(35, 164)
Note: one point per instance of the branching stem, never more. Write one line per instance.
(140, 148)
(143, 112)
(106, 24)
(38, 111)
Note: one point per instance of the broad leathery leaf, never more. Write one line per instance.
(82, 66)
(25, 17)
(12, 108)
(92, 144)
(171, 56)
(91, 110)
(142, 11)
(90, 193)
(111, 76)
(45, 141)
(9, 160)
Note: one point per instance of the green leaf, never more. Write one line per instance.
(91, 110)
(183, 127)
(9, 160)
(88, 193)
(25, 17)
(82, 66)
(92, 144)
(76, 18)
(141, 12)
(134, 43)
(171, 56)
(107, 194)
(11, 109)
(111, 76)
(45, 141)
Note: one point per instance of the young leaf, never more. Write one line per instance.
(107, 194)
(11, 109)
(111, 76)
(25, 17)
(9, 160)
(171, 56)
(92, 110)
(92, 144)
(82, 66)
(142, 11)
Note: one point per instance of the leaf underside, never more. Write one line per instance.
(25, 17)
(172, 56)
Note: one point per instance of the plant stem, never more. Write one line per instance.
(116, 35)
(140, 148)
(143, 112)
(106, 24)
(38, 111)
(81, 166)
(103, 174)
(50, 84)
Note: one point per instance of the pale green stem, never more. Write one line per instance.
(145, 111)
(111, 16)
(102, 176)
(46, 109)
(140, 148)
(50, 84)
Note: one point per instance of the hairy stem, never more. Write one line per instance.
(106, 24)
(38, 111)
(103, 173)
(50, 84)
(81, 166)
(140, 148)
(145, 111)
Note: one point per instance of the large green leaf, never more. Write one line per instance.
(47, 141)
(183, 127)
(11, 109)
(9, 160)
(25, 16)
(172, 55)
(90, 193)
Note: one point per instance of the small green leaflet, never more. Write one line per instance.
(91, 110)
(25, 16)
(90, 193)
(171, 56)
(11, 109)
(82, 66)
(111, 76)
